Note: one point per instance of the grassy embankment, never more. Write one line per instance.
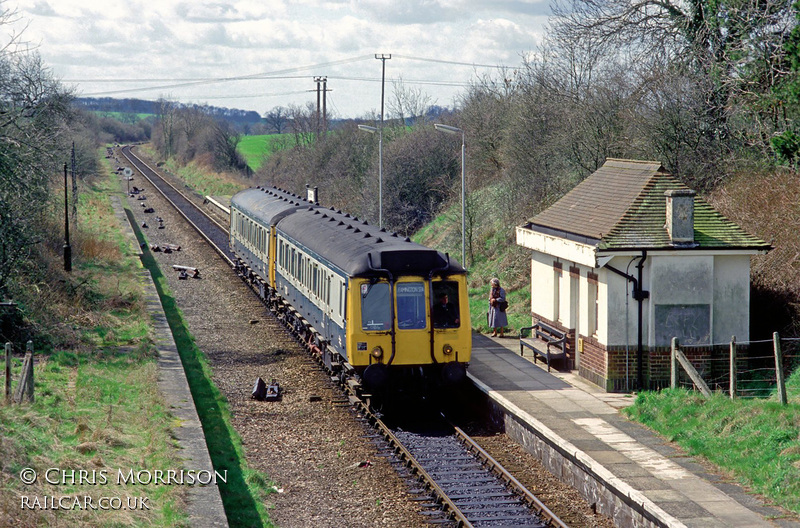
(97, 407)
(494, 254)
(199, 178)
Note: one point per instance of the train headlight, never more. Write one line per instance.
(447, 349)
(377, 352)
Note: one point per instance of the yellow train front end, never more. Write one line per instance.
(412, 327)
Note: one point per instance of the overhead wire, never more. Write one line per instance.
(283, 74)
(214, 80)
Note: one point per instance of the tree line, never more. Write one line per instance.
(707, 87)
(132, 106)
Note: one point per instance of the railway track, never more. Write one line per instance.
(215, 233)
(456, 482)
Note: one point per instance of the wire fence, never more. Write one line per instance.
(746, 369)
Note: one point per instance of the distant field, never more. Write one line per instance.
(256, 149)
(125, 117)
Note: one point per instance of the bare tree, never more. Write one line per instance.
(303, 122)
(222, 142)
(277, 118)
(34, 109)
(732, 46)
(167, 124)
(407, 104)
(191, 121)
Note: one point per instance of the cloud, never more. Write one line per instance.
(171, 40)
(42, 9)
(392, 12)
(216, 12)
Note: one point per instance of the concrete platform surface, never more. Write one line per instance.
(583, 424)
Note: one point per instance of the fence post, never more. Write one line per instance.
(776, 340)
(29, 357)
(673, 369)
(733, 368)
(8, 372)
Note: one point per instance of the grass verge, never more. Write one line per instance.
(97, 409)
(243, 494)
(755, 441)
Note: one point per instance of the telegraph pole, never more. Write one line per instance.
(322, 123)
(67, 247)
(324, 105)
(317, 80)
(383, 58)
(74, 188)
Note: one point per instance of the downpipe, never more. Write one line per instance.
(639, 295)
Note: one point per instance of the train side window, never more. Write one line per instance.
(411, 307)
(328, 291)
(445, 305)
(375, 306)
(342, 299)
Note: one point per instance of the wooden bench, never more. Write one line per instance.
(555, 342)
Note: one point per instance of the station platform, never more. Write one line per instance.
(643, 481)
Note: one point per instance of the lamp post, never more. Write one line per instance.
(454, 130)
(372, 130)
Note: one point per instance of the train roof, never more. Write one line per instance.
(267, 205)
(345, 241)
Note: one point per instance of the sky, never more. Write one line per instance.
(259, 54)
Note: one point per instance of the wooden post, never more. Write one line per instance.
(673, 370)
(8, 372)
(18, 392)
(733, 368)
(29, 358)
(776, 340)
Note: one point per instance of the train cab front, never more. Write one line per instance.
(411, 335)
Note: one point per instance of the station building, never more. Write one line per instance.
(630, 258)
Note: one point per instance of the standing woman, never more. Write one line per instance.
(497, 308)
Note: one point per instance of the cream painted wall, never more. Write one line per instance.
(731, 298)
(620, 306)
(542, 284)
(680, 284)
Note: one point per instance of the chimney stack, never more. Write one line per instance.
(680, 216)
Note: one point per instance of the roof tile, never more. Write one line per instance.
(622, 206)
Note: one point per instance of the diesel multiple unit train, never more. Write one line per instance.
(370, 302)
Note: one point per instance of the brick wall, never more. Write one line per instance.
(615, 369)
